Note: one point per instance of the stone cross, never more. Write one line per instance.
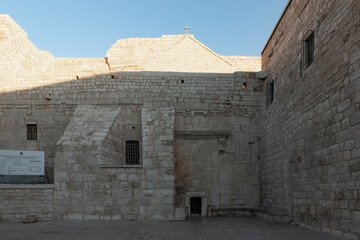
(187, 28)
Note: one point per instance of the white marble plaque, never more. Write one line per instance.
(18, 162)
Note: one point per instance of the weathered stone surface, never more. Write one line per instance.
(217, 138)
(20, 200)
(355, 225)
(180, 53)
(309, 161)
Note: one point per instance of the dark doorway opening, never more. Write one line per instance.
(195, 205)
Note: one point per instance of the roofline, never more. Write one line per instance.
(277, 24)
(209, 50)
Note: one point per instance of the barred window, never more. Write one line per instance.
(31, 131)
(132, 153)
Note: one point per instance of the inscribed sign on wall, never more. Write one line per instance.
(17, 162)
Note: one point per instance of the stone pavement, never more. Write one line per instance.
(199, 228)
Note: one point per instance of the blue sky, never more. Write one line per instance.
(87, 28)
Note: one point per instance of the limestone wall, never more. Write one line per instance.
(157, 199)
(81, 64)
(17, 52)
(90, 179)
(181, 90)
(216, 159)
(51, 119)
(20, 200)
(245, 63)
(175, 53)
(86, 109)
(310, 133)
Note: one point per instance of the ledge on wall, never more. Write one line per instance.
(270, 217)
(26, 186)
(262, 75)
(234, 212)
(122, 166)
(200, 134)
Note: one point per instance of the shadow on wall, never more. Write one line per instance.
(48, 101)
(87, 124)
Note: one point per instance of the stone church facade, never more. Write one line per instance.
(165, 128)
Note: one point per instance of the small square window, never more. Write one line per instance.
(132, 152)
(308, 50)
(31, 131)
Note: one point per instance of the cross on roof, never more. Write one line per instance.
(187, 28)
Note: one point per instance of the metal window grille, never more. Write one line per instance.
(132, 153)
(31, 131)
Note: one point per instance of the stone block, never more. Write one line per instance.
(354, 165)
(355, 224)
(91, 217)
(350, 236)
(75, 216)
(116, 217)
(152, 174)
(355, 118)
(133, 177)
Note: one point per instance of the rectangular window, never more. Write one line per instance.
(132, 153)
(31, 131)
(308, 50)
(271, 91)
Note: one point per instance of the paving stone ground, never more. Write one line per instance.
(199, 228)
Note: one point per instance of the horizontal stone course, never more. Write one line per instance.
(26, 186)
(20, 200)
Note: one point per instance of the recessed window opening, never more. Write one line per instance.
(308, 50)
(244, 85)
(271, 91)
(195, 205)
(132, 152)
(112, 76)
(31, 131)
(182, 81)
